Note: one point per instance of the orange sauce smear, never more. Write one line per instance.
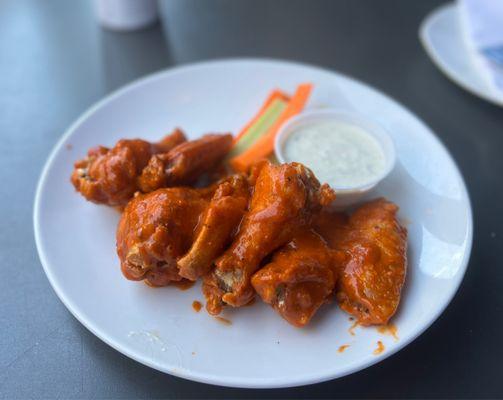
(223, 320)
(196, 305)
(380, 348)
(184, 284)
(342, 348)
(250, 303)
(352, 328)
(389, 329)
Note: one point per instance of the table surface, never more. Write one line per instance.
(55, 61)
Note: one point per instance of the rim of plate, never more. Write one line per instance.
(222, 380)
(429, 20)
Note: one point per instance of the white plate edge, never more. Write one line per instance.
(422, 33)
(218, 380)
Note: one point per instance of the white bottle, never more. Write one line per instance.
(126, 15)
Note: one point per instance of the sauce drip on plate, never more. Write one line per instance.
(342, 348)
(389, 329)
(184, 284)
(352, 328)
(196, 305)
(223, 320)
(380, 348)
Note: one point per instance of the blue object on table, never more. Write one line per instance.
(482, 22)
(495, 54)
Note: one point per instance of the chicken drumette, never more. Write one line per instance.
(283, 201)
(185, 163)
(109, 176)
(300, 278)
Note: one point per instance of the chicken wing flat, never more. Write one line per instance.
(332, 225)
(300, 278)
(283, 201)
(185, 163)
(156, 229)
(109, 176)
(217, 226)
(373, 275)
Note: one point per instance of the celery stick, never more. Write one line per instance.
(260, 127)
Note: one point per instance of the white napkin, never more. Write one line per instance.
(482, 25)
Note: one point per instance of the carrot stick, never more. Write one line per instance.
(264, 146)
(275, 94)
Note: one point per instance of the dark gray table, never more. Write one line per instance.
(55, 62)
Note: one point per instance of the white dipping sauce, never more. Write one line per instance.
(339, 153)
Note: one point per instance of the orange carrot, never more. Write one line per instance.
(264, 146)
(275, 94)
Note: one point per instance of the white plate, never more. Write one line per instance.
(442, 38)
(157, 327)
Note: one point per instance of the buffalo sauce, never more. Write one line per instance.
(352, 328)
(223, 320)
(196, 305)
(380, 348)
(184, 284)
(389, 329)
(342, 348)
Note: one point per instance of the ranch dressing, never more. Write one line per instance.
(341, 154)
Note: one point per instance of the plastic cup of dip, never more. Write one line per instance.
(344, 149)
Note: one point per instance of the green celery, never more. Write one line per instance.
(260, 127)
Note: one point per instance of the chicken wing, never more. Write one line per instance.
(282, 203)
(217, 227)
(300, 278)
(332, 225)
(109, 176)
(185, 163)
(373, 275)
(155, 230)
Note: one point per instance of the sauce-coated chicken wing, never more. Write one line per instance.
(300, 278)
(155, 230)
(332, 225)
(374, 272)
(185, 163)
(109, 176)
(284, 199)
(176, 233)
